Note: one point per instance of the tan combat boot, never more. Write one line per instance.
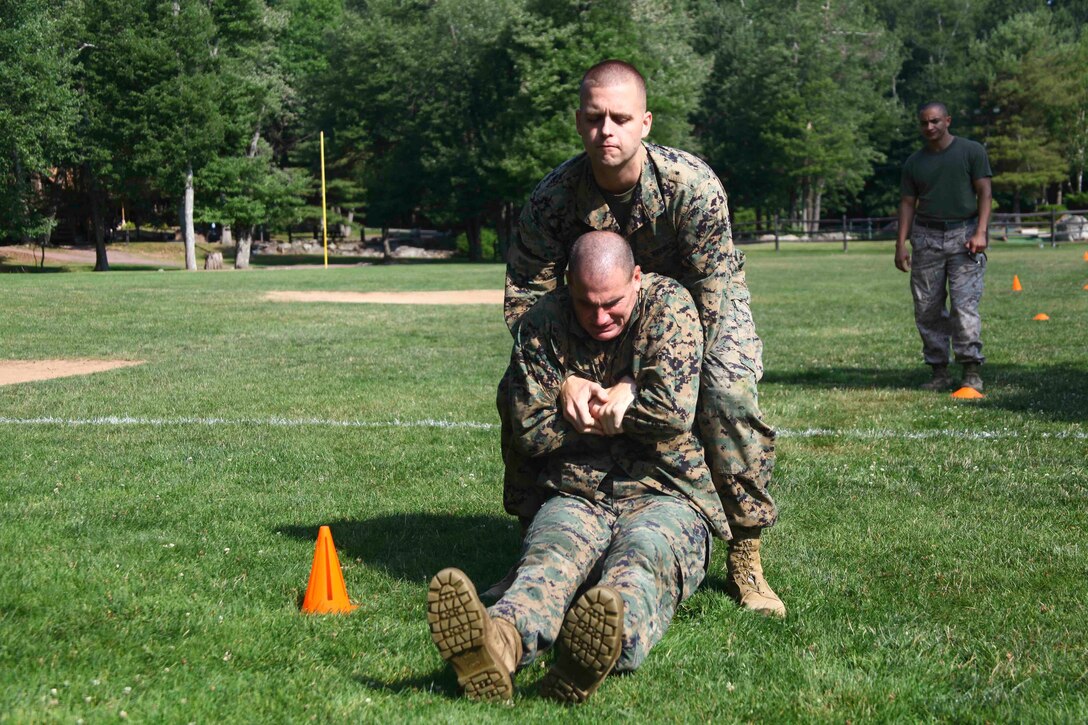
(745, 582)
(484, 652)
(589, 644)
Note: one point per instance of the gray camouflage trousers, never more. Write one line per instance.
(652, 548)
(942, 269)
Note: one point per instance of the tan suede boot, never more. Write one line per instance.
(483, 652)
(745, 582)
(590, 642)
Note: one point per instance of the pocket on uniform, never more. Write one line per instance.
(925, 238)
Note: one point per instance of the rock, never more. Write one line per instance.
(1071, 228)
(214, 261)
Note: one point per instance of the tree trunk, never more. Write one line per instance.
(1016, 205)
(808, 198)
(98, 222)
(225, 237)
(187, 229)
(475, 246)
(500, 215)
(245, 243)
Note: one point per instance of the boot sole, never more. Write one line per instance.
(459, 626)
(590, 643)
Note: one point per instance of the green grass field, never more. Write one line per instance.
(158, 522)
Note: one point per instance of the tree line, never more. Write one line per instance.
(447, 112)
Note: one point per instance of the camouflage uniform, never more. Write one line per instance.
(678, 227)
(939, 259)
(640, 505)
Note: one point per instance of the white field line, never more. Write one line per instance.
(851, 433)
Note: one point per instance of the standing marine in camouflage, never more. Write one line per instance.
(944, 206)
(628, 505)
(672, 209)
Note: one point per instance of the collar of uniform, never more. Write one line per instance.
(593, 209)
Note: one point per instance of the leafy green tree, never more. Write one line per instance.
(460, 134)
(1020, 102)
(36, 115)
(800, 102)
(147, 84)
(246, 191)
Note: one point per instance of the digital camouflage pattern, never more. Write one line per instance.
(661, 348)
(940, 261)
(679, 227)
(652, 548)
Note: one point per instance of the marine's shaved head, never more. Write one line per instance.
(613, 73)
(596, 256)
(604, 283)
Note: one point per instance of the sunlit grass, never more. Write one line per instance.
(931, 553)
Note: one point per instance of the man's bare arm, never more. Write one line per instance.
(906, 219)
(983, 191)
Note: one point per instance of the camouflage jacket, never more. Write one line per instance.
(661, 348)
(679, 227)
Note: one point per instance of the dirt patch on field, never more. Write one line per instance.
(80, 255)
(25, 371)
(450, 297)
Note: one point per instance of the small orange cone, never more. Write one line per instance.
(966, 393)
(1016, 283)
(1041, 316)
(1086, 256)
(326, 592)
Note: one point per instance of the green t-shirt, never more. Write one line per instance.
(941, 181)
(620, 206)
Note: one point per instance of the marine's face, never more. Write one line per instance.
(603, 306)
(612, 121)
(933, 124)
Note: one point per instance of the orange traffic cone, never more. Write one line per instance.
(966, 393)
(1086, 256)
(1016, 283)
(326, 592)
(1041, 316)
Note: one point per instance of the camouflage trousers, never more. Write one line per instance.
(738, 443)
(653, 549)
(942, 270)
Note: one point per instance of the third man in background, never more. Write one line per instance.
(944, 208)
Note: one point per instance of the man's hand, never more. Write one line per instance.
(977, 242)
(610, 413)
(902, 257)
(576, 395)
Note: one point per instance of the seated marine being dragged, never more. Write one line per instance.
(630, 497)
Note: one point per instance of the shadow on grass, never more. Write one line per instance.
(414, 546)
(6, 268)
(1055, 392)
